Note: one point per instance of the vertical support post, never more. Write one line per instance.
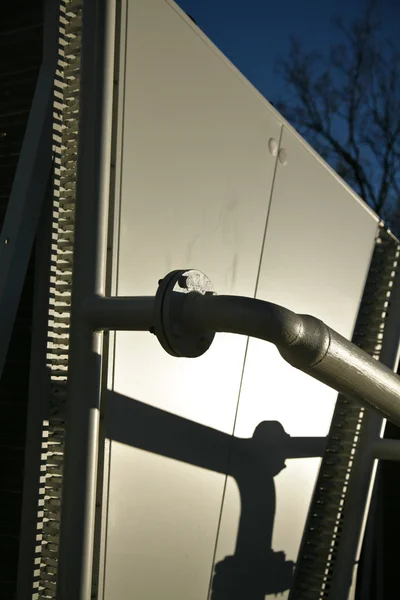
(361, 485)
(89, 278)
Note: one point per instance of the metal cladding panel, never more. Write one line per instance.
(196, 180)
(316, 257)
(182, 494)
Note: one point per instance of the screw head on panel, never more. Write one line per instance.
(273, 146)
(283, 157)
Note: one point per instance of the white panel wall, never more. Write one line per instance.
(196, 183)
(316, 255)
(195, 187)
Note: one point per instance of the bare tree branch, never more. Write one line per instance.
(347, 104)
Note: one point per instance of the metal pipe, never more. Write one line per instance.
(386, 449)
(113, 314)
(306, 343)
(185, 314)
(183, 320)
(246, 316)
(357, 375)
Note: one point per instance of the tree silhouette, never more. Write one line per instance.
(346, 103)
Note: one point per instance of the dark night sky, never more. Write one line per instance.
(254, 34)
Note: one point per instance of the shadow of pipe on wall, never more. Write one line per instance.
(255, 569)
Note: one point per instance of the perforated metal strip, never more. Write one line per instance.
(322, 536)
(65, 135)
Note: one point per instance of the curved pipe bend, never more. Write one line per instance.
(304, 342)
(185, 322)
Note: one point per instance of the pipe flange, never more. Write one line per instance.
(176, 337)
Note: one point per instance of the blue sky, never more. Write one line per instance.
(254, 34)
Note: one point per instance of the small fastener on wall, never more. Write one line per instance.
(283, 157)
(273, 146)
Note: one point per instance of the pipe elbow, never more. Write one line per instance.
(310, 346)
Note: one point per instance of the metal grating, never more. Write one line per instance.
(322, 536)
(65, 136)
